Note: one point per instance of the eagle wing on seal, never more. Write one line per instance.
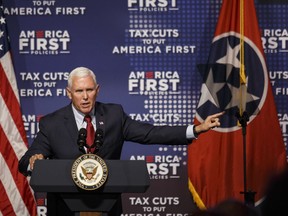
(84, 171)
(95, 170)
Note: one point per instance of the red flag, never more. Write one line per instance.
(216, 158)
(16, 196)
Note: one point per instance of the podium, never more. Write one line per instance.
(54, 178)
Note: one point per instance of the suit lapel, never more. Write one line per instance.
(70, 123)
(100, 119)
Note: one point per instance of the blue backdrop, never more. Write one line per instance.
(144, 55)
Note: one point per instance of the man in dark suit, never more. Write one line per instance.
(58, 131)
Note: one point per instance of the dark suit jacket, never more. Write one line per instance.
(58, 134)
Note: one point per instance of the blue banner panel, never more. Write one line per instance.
(145, 56)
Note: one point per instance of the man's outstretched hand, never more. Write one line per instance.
(210, 122)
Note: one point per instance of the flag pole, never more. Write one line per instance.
(249, 195)
(242, 115)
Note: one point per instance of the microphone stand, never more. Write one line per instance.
(249, 195)
(81, 141)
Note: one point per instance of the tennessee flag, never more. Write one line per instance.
(235, 80)
(16, 197)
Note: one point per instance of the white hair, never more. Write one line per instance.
(80, 72)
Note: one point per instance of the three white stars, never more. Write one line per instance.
(239, 95)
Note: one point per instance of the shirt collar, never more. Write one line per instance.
(79, 117)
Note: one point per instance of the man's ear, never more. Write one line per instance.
(68, 93)
(97, 89)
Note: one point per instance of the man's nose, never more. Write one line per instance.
(85, 94)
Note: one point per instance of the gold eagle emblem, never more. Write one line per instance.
(89, 172)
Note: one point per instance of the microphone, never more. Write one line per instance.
(98, 141)
(82, 134)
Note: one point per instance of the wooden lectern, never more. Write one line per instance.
(54, 178)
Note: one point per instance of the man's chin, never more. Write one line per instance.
(85, 110)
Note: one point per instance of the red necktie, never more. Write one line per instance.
(90, 133)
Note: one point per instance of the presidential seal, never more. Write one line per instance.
(89, 172)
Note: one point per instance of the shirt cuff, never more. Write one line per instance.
(190, 132)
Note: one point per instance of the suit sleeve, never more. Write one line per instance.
(146, 133)
(40, 145)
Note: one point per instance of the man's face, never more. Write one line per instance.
(83, 93)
